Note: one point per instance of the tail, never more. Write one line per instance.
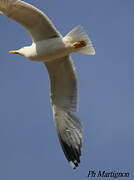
(80, 41)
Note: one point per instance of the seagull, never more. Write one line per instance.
(51, 48)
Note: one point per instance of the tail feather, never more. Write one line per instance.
(80, 40)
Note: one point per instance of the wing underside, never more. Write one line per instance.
(35, 21)
(64, 100)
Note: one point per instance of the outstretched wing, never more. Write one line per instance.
(35, 21)
(64, 100)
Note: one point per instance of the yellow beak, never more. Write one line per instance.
(14, 52)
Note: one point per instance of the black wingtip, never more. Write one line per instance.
(74, 164)
(70, 136)
(72, 153)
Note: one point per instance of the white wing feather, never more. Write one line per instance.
(63, 83)
(35, 21)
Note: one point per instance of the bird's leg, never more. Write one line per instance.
(79, 44)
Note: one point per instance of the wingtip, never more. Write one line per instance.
(74, 164)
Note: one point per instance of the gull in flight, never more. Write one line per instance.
(51, 48)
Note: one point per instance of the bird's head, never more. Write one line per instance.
(19, 51)
(25, 51)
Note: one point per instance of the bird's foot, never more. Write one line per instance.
(79, 44)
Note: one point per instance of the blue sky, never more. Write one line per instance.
(29, 148)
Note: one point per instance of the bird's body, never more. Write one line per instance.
(48, 50)
(51, 48)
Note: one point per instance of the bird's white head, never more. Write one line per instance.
(19, 51)
(26, 51)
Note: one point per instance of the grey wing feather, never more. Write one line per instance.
(63, 83)
(63, 95)
(35, 21)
